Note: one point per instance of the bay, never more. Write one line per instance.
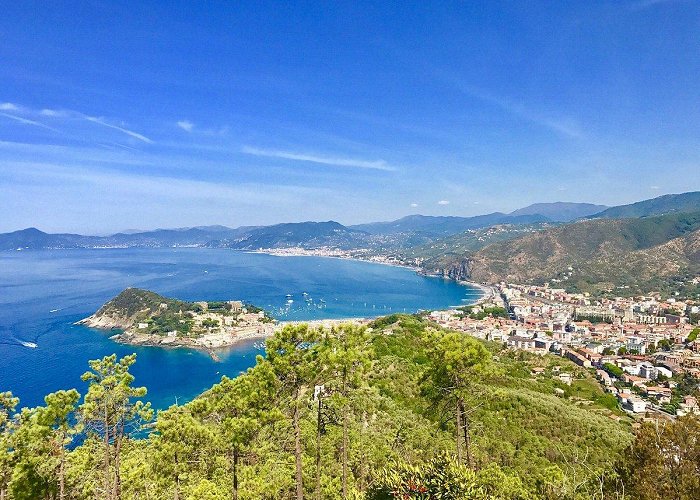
(43, 293)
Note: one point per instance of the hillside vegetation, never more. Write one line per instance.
(670, 203)
(470, 241)
(561, 211)
(400, 410)
(594, 255)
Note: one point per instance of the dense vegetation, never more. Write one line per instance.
(478, 312)
(162, 314)
(623, 257)
(402, 409)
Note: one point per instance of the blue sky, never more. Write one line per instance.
(117, 115)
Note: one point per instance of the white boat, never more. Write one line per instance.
(31, 345)
(54, 310)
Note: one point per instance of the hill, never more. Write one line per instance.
(301, 234)
(469, 241)
(34, 239)
(560, 211)
(685, 202)
(133, 305)
(440, 226)
(593, 255)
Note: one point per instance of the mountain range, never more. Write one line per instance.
(407, 231)
(582, 246)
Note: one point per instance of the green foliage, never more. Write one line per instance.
(169, 322)
(663, 461)
(627, 256)
(693, 335)
(444, 478)
(496, 312)
(594, 318)
(112, 411)
(8, 404)
(210, 323)
(386, 422)
(613, 370)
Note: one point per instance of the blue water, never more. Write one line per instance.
(74, 283)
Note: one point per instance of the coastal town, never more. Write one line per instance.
(643, 350)
(144, 318)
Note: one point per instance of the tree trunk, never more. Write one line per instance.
(318, 448)
(345, 434)
(108, 479)
(467, 437)
(62, 473)
(117, 476)
(458, 430)
(297, 448)
(235, 473)
(177, 479)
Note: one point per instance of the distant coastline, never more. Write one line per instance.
(486, 290)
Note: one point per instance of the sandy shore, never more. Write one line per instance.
(487, 291)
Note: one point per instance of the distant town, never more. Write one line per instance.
(640, 348)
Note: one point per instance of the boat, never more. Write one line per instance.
(54, 310)
(31, 345)
(290, 301)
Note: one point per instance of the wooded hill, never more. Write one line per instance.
(652, 253)
(644, 254)
(403, 406)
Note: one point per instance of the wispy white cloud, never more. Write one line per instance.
(185, 125)
(414, 205)
(27, 121)
(128, 132)
(646, 4)
(53, 113)
(562, 126)
(28, 115)
(443, 202)
(323, 160)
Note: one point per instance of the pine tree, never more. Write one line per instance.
(347, 354)
(293, 354)
(58, 417)
(8, 403)
(457, 360)
(183, 447)
(242, 406)
(112, 411)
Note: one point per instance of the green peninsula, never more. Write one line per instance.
(147, 318)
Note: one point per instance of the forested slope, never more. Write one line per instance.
(391, 399)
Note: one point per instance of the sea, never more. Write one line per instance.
(44, 292)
